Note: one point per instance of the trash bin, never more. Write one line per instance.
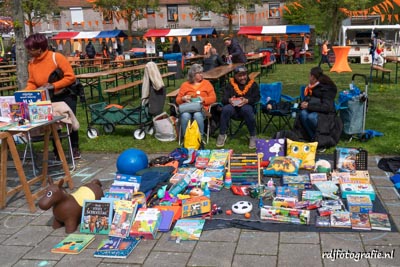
(174, 63)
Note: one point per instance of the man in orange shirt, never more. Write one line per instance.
(324, 54)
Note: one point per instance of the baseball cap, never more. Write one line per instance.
(227, 38)
(240, 69)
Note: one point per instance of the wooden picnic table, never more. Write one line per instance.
(255, 60)
(94, 79)
(396, 60)
(125, 62)
(8, 67)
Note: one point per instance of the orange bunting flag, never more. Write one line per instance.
(153, 39)
(161, 15)
(57, 42)
(179, 39)
(191, 15)
(100, 40)
(396, 16)
(387, 2)
(183, 16)
(83, 23)
(175, 16)
(170, 38)
(64, 41)
(130, 38)
(90, 23)
(68, 24)
(96, 22)
(121, 39)
(107, 39)
(188, 38)
(382, 17)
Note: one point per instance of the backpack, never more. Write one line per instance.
(192, 136)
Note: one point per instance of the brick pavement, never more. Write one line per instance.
(26, 238)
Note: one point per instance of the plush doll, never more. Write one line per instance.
(67, 208)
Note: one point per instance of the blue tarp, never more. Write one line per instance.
(296, 29)
(203, 31)
(111, 34)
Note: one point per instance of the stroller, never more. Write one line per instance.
(354, 108)
(152, 103)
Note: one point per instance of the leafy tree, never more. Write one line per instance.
(129, 10)
(226, 8)
(36, 11)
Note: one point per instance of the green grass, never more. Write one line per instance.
(382, 115)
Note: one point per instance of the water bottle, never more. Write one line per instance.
(295, 106)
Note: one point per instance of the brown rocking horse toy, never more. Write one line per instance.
(67, 208)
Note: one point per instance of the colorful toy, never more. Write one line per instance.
(67, 208)
(247, 215)
(228, 212)
(196, 192)
(131, 161)
(242, 207)
(322, 165)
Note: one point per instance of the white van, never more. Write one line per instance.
(358, 37)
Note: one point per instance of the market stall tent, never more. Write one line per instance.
(111, 34)
(64, 35)
(274, 30)
(180, 32)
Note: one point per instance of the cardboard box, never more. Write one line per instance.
(357, 189)
(40, 111)
(301, 181)
(5, 102)
(296, 216)
(195, 206)
(359, 203)
(29, 96)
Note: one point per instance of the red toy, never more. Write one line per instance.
(67, 208)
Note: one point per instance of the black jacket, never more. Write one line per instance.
(253, 95)
(90, 50)
(237, 53)
(212, 62)
(329, 128)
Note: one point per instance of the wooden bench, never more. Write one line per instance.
(383, 70)
(271, 65)
(8, 88)
(169, 75)
(254, 75)
(116, 90)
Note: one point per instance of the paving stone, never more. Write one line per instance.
(249, 243)
(240, 260)
(381, 238)
(13, 223)
(212, 254)
(29, 263)
(299, 255)
(11, 254)
(35, 233)
(382, 181)
(387, 193)
(396, 220)
(167, 259)
(345, 242)
(387, 261)
(43, 250)
(113, 264)
(299, 237)
(43, 219)
(223, 235)
(138, 255)
(393, 207)
(164, 244)
(84, 259)
(3, 237)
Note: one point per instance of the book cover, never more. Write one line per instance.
(301, 181)
(328, 189)
(357, 189)
(123, 218)
(116, 247)
(318, 177)
(40, 111)
(73, 244)
(218, 158)
(340, 219)
(117, 195)
(346, 159)
(132, 180)
(356, 177)
(5, 102)
(337, 176)
(360, 221)
(311, 195)
(146, 223)
(379, 221)
(322, 221)
(202, 158)
(333, 204)
(359, 203)
(167, 217)
(287, 191)
(187, 229)
(96, 217)
(31, 96)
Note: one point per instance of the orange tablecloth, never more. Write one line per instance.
(341, 64)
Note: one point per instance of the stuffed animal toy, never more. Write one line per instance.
(67, 208)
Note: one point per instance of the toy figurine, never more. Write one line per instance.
(67, 208)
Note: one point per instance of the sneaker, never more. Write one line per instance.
(252, 142)
(76, 153)
(221, 140)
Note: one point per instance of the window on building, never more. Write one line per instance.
(274, 11)
(56, 14)
(150, 10)
(76, 15)
(172, 12)
(205, 15)
(251, 8)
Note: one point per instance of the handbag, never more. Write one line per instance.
(190, 107)
(164, 128)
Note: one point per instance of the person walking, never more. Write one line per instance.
(324, 54)
(90, 51)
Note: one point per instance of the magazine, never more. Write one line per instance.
(73, 244)
(187, 229)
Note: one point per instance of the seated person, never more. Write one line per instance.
(195, 89)
(239, 97)
(317, 120)
(212, 60)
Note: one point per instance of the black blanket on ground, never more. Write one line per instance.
(225, 199)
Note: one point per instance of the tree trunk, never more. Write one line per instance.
(21, 56)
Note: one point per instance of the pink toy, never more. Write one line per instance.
(67, 208)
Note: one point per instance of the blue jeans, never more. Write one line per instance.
(309, 120)
(198, 116)
(245, 112)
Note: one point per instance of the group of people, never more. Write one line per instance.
(316, 121)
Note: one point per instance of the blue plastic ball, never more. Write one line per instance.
(131, 161)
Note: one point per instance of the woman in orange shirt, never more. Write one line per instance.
(324, 54)
(195, 89)
(43, 63)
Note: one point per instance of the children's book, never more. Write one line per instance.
(360, 221)
(337, 176)
(218, 158)
(328, 188)
(311, 195)
(340, 219)
(128, 180)
(301, 181)
(146, 223)
(124, 215)
(114, 247)
(167, 216)
(117, 195)
(73, 244)
(96, 216)
(287, 191)
(202, 158)
(379, 221)
(322, 221)
(187, 229)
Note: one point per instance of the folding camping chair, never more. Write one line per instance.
(271, 93)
